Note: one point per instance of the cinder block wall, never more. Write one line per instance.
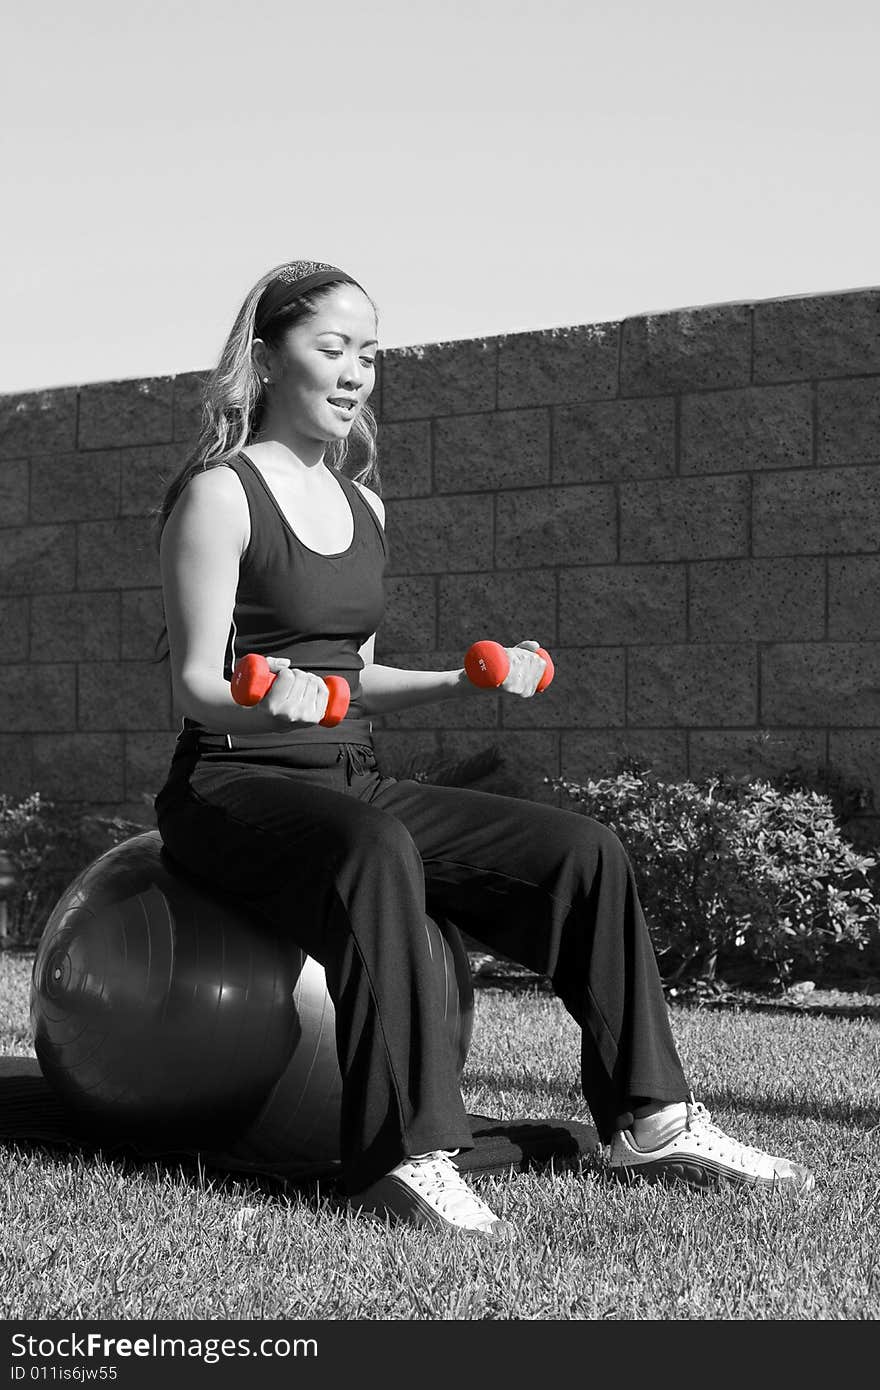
(683, 507)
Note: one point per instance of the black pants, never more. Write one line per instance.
(348, 863)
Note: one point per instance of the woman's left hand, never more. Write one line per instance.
(526, 669)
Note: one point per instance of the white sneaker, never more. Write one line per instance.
(428, 1190)
(703, 1155)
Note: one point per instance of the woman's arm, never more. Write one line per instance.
(199, 554)
(388, 688)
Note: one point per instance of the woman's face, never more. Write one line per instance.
(324, 369)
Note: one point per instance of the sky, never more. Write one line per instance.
(480, 166)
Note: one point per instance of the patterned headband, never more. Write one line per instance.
(292, 281)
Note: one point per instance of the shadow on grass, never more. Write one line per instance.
(316, 1194)
(156, 1170)
(792, 1108)
(713, 1097)
(33, 1117)
(858, 1006)
(859, 1003)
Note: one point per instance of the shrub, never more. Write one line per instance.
(854, 807)
(49, 845)
(736, 877)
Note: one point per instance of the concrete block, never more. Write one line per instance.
(558, 366)
(835, 510)
(854, 598)
(588, 692)
(116, 554)
(15, 627)
(38, 422)
(480, 711)
(821, 683)
(591, 756)
(678, 686)
(74, 487)
(527, 758)
(37, 559)
(506, 448)
(146, 475)
(820, 335)
(405, 458)
(123, 695)
(616, 605)
(36, 698)
(755, 428)
(849, 421)
(686, 350)
(147, 763)
(399, 752)
(186, 406)
(856, 754)
(613, 439)
(759, 755)
(684, 519)
(440, 535)
(14, 492)
(142, 620)
(475, 713)
(410, 612)
(16, 766)
(375, 401)
(75, 627)
(116, 413)
(538, 525)
(511, 607)
(425, 380)
(757, 600)
(79, 767)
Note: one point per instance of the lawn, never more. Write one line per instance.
(90, 1238)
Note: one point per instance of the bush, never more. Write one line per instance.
(854, 807)
(49, 845)
(737, 878)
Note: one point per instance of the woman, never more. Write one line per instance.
(267, 545)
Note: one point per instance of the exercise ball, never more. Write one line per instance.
(163, 1009)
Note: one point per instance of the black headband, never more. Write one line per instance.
(291, 283)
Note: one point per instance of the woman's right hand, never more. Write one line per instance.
(294, 697)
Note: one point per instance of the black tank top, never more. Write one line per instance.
(315, 609)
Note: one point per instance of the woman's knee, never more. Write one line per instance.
(381, 840)
(590, 842)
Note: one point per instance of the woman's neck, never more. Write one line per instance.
(302, 456)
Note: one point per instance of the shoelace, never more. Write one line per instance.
(441, 1182)
(699, 1122)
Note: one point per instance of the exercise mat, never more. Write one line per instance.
(31, 1112)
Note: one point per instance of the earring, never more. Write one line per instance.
(266, 380)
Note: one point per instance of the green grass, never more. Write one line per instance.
(91, 1238)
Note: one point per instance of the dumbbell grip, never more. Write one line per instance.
(252, 678)
(487, 665)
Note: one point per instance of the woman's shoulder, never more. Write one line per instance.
(214, 495)
(219, 480)
(373, 498)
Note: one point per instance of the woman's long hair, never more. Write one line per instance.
(233, 403)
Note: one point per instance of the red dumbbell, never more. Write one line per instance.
(487, 664)
(251, 678)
